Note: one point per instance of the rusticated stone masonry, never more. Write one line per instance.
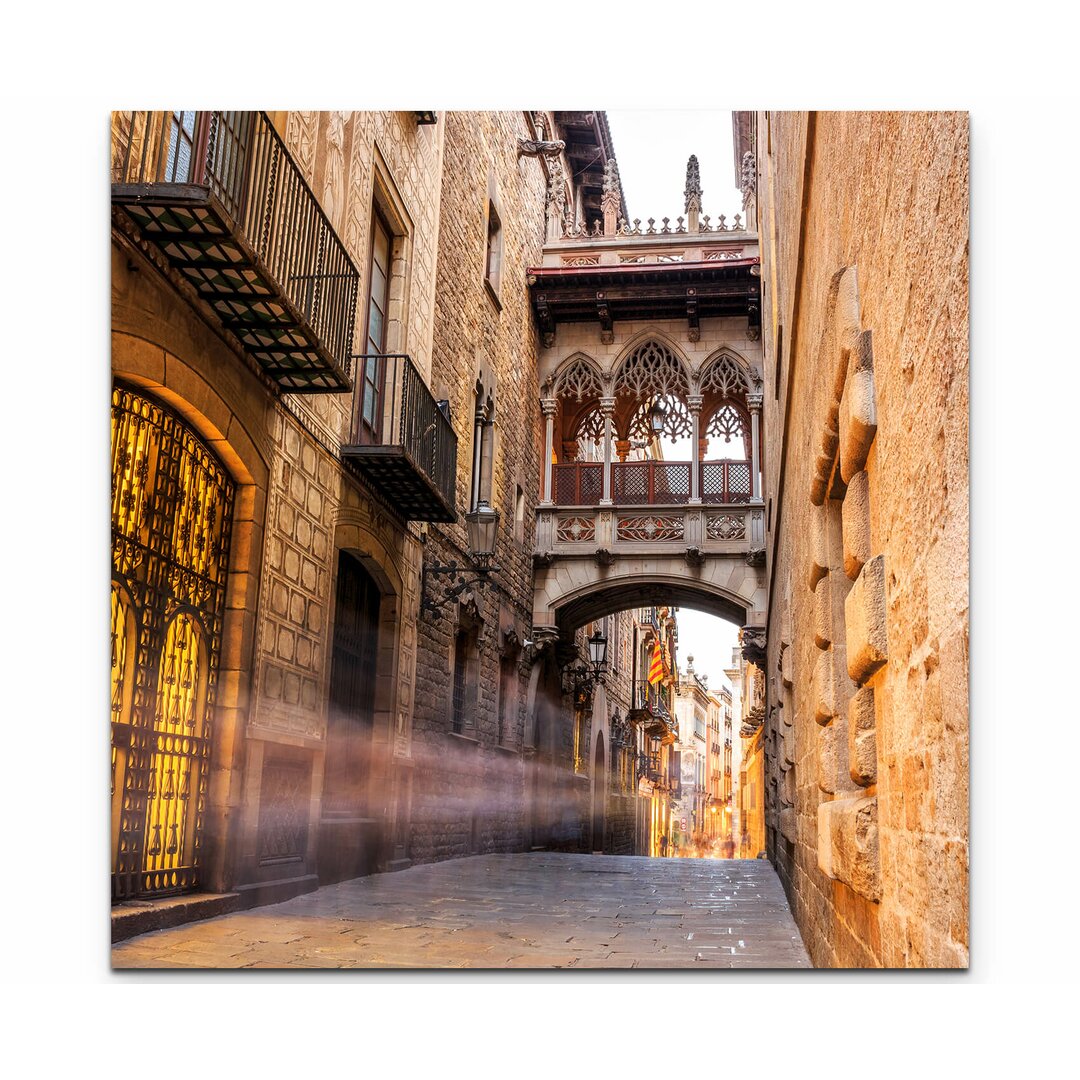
(849, 619)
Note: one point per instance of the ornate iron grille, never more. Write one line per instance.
(649, 483)
(578, 483)
(725, 482)
(171, 523)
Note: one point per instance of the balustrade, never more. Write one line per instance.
(651, 483)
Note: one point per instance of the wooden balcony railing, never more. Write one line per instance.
(221, 197)
(651, 483)
(402, 439)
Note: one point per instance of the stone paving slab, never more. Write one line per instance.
(530, 910)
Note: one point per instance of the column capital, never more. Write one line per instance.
(549, 406)
(755, 401)
(694, 402)
(607, 405)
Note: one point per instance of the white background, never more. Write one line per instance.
(1015, 71)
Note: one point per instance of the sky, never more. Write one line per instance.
(652, 148)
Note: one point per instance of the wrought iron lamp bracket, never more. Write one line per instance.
(467, 576)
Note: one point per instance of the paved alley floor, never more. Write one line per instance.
(530, 910)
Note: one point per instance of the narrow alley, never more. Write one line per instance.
(532, 910)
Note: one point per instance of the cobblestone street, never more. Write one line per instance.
(536, 910)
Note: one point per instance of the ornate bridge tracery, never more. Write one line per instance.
(651, 391)
(617, 518)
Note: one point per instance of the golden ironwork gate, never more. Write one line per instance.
(171, 520)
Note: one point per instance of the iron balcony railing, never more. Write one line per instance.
(402, 437)
(653, 771)
(651, 483)
(653, 697)
(239, 158)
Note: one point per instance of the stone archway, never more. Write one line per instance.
(728, 588)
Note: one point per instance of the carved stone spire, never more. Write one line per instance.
(610, 199)
(692, 194)
(692, 191)
(748, 182)
(556, 200)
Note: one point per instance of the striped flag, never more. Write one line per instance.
(656, 667)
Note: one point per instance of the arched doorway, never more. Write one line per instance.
(598, 792)
(171, 523)
(348, 839)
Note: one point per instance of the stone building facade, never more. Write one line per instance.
(469, 781)
(864, 229)
(201, 293)
(323, 353)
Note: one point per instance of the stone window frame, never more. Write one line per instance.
(467, 633)
(387, 206)
(494, 244)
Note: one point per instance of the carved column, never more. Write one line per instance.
(694, 402)
(755, 401)
(478, 442)
(548, 407)
(607, 407)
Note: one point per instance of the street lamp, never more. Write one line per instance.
(482, 526)
(598, 652)
(657, 417)
(579, 677)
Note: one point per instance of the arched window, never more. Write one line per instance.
(726, 377)
(728, 427)
(652, 370)
(590, 435)
(578, 380)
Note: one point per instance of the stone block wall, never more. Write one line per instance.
(864, 268)
(351, 160)
(468, 793)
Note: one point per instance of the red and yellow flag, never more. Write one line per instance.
(656, 666)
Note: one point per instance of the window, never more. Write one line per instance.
(466, 669)
(519, 515)
(461, 662)
(493, 266)
(581, 737)
(372, 375)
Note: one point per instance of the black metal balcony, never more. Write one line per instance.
(650, 707)
(402, 440)
(218, 194)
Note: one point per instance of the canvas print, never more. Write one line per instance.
(539, 539)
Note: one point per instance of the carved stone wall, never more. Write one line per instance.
(864, 270)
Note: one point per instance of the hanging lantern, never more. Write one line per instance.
(483, 524)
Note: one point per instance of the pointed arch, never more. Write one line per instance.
(578, 377)
(726, 374)
(651, 365)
